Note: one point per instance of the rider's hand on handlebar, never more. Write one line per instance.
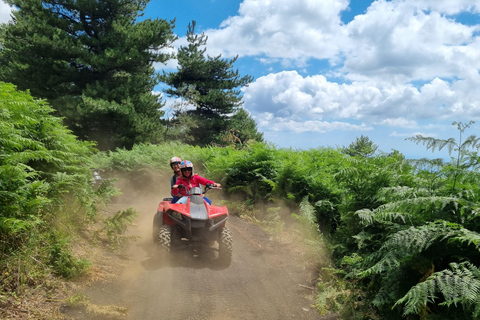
(177, 186)
(214, 185)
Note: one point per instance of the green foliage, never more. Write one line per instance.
(459, 286)
(250, 173)
(307, 212)
(116, 226)
(45, 191)
(93, 61)
(242, 130)
(362, 147)
(35, 147)
(415, 230)
(143, 156)
(62, 260)
(458, 170)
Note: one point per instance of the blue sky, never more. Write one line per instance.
(326, 72)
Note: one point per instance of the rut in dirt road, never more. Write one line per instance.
(266, 280)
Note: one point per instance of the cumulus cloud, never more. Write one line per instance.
(5, 12)
(401, 40)
(397, 40)
(401, 64)
(288, 95)
(405, 65)
(285, 29)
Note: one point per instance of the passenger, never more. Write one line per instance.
(189, 181)
(175, 165)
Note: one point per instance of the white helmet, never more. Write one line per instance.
(175, 160)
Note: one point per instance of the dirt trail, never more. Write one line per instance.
(266, 279)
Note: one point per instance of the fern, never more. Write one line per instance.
(467, 236)
(465, 158)
(399, 193)
(12, 226)
(420, 210)
(307, 211)
(116, 225)
(410, 242)
(459, 286)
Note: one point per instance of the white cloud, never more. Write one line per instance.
(403, 65)
(282, 29)
(414, 134)
(394, 40)
(5, 12)
(308, 126)
(448, 6)
(288, 95)
(398, 40)
(399, 123)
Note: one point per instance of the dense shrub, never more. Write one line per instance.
(43, 167)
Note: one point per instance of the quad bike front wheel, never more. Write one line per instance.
(164, 238)
(225, 247)
(157, 222)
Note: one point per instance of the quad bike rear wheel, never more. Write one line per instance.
(225, 247)
(164, 238)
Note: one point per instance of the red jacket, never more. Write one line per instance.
(194, 181)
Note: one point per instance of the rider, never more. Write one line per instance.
(175, 165)
(189, 180)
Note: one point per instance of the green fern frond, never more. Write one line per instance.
(471, 142)
(346, 173)
(368, 217)
(459, 286)
(419, 210)
(407, 243)
(14, 226)
(116, 226)
(307, 211)
(467, 236)
(434, 144)
(386, 261)
(398, 193)
(425, 163)
(119, 222)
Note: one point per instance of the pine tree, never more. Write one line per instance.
(362, 147)
(93, 61)
(242, 129)
(209, 85)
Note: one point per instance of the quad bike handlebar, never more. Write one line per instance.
(207, 187)
(212, 186)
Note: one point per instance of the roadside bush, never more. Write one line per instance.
(44, 172)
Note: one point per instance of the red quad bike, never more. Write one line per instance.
(195, 225)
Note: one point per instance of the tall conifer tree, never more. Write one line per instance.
(93, 60)
(210, 86)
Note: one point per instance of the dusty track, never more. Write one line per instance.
(267, 279)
